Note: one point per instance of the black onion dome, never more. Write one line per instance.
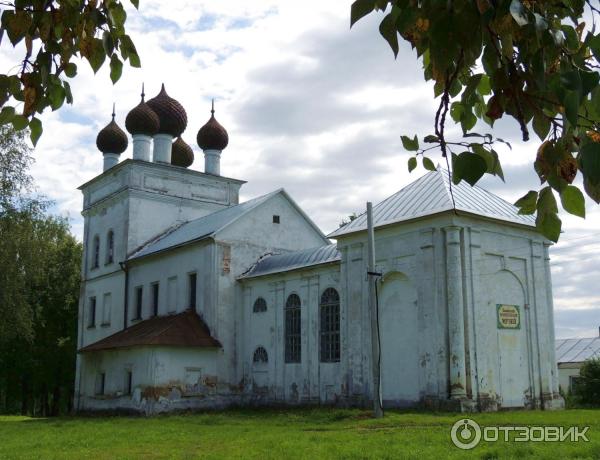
(181, 154)
(212, 136)
(142, 119)
(171, 114)
(112, 139)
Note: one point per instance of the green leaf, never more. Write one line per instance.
(589, 162)
(135, 3)
(359, 9)
(387, 29)
(412, 145)
(431, 139)
(573, 201)
(412, 164)
(128, 51)
(6, 115)
(97, 55)
(428, 164)
(35, 130)
(571, 102)
(71, 69)
(19, 122)
(592, 190)
(56, 95)
(526, 204)
(68, 94)
(571, 80)
(541, 125)
(467, 166)
(116, 68)
(546, 202)
(549, 225)
(518, 13)
(107, 42)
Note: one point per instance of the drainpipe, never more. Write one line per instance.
(123, 266)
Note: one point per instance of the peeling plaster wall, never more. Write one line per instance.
(310, 381)
(163, 379)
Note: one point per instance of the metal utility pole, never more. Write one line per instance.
(371, 276)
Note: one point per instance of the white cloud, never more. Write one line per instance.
(309, 105)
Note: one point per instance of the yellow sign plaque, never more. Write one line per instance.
(509, 317)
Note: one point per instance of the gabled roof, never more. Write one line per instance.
(209, 225)
(576, 350)
(430, 194)
(182, 330)
(294, 260)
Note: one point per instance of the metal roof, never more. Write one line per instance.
(576, 350)
(200, 228)
(430, 194)
(294, 260)
(185, 329)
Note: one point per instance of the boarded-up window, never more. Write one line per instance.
(293, 346)
(330, 326)
(106, 308)
(172, 294)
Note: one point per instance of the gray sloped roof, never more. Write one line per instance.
(294, 260)
(200, 228)
(430, 194)
(576, 350)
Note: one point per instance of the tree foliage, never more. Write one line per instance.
(39, 289)
(533, 61)
(587, 388)
(51, 35)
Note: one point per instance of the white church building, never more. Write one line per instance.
(192, 300)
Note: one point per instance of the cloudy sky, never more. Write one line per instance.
(309, 104)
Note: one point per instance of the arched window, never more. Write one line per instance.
(110, 247)
(293, 347)
(330, 326)
(96, 252)
(260, 305)
(260, 356)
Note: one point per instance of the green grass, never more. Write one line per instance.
(287, 434)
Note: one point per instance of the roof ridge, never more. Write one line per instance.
(156, 238)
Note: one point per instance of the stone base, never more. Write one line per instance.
(552, 401)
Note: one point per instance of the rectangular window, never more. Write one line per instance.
(106, 307)
(275, 219)
(172, 294)
(100, 383)
(92, 312)
(128, 381)
(192, 290)
(155, 299)
(139, 291)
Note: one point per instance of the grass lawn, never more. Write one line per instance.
(295, 433)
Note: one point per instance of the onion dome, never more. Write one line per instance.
(112, 139)
(171, 114)
(212, 136)
(142, 119)
(181, 153)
